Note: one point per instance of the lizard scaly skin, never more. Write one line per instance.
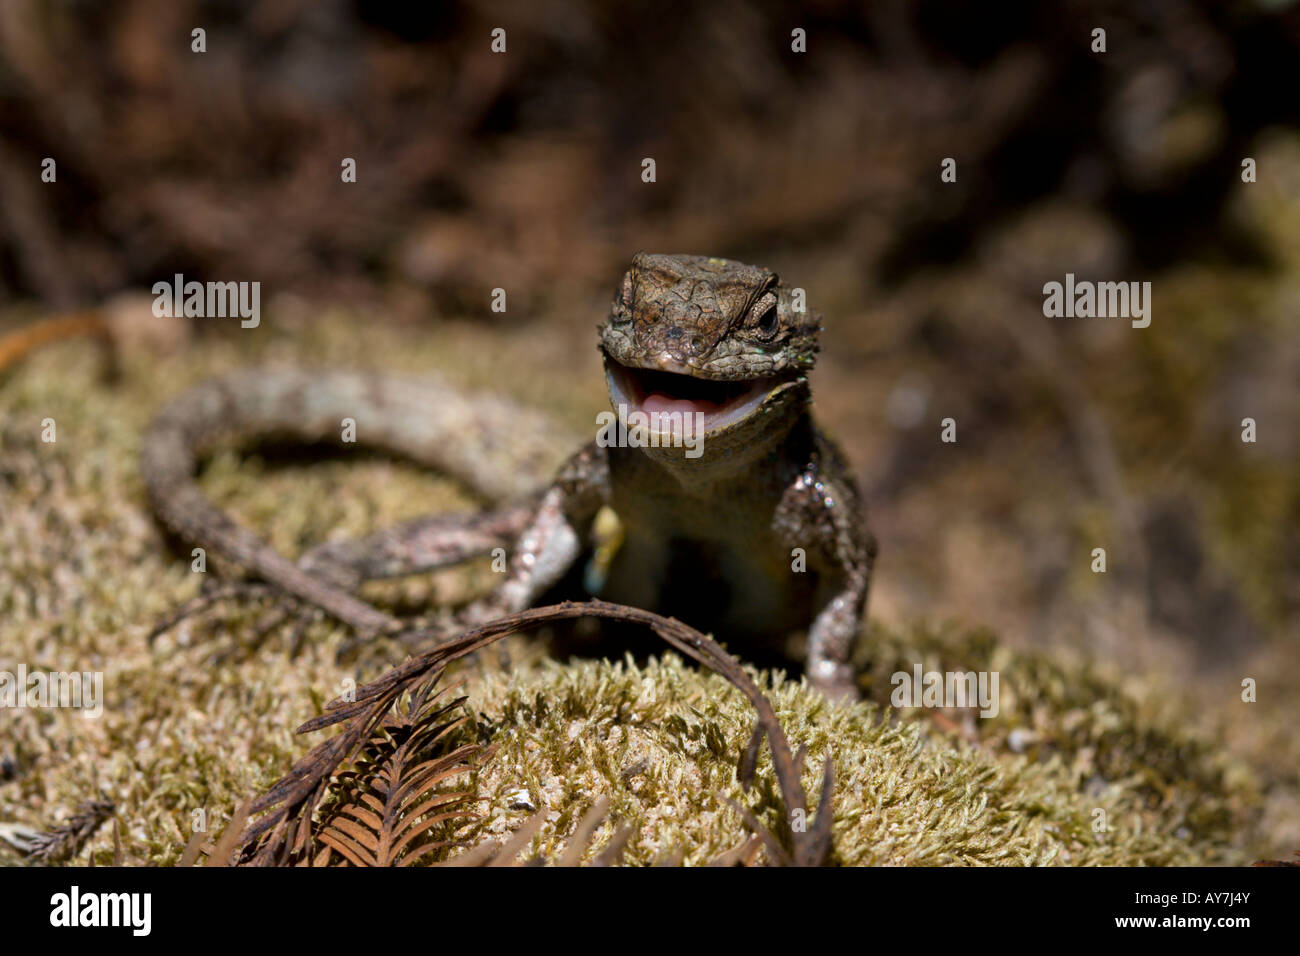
(758, 535)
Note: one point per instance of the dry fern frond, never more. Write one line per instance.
(1278, 862)
(383, 811)
(384, 808)
(218, 852)
(66, 841)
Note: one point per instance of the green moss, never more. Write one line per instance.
(662, 740)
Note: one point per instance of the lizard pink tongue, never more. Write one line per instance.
(658, 402)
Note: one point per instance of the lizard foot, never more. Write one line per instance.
(836, 681)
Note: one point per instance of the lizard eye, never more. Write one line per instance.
(766, 320)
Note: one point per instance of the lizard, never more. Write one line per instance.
(759, 535)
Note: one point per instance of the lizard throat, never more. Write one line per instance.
(722, 403)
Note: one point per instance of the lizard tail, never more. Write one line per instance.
(499, 449)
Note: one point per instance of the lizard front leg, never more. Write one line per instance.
(413, 547)
(553, 540)
(821, 512)
(547, 538)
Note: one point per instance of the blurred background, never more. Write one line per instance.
(522, 170)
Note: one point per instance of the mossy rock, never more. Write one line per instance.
(1100, 785)
(85, 573)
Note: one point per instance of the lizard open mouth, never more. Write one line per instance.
(722, 403)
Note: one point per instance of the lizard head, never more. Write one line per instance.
(695, 334)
